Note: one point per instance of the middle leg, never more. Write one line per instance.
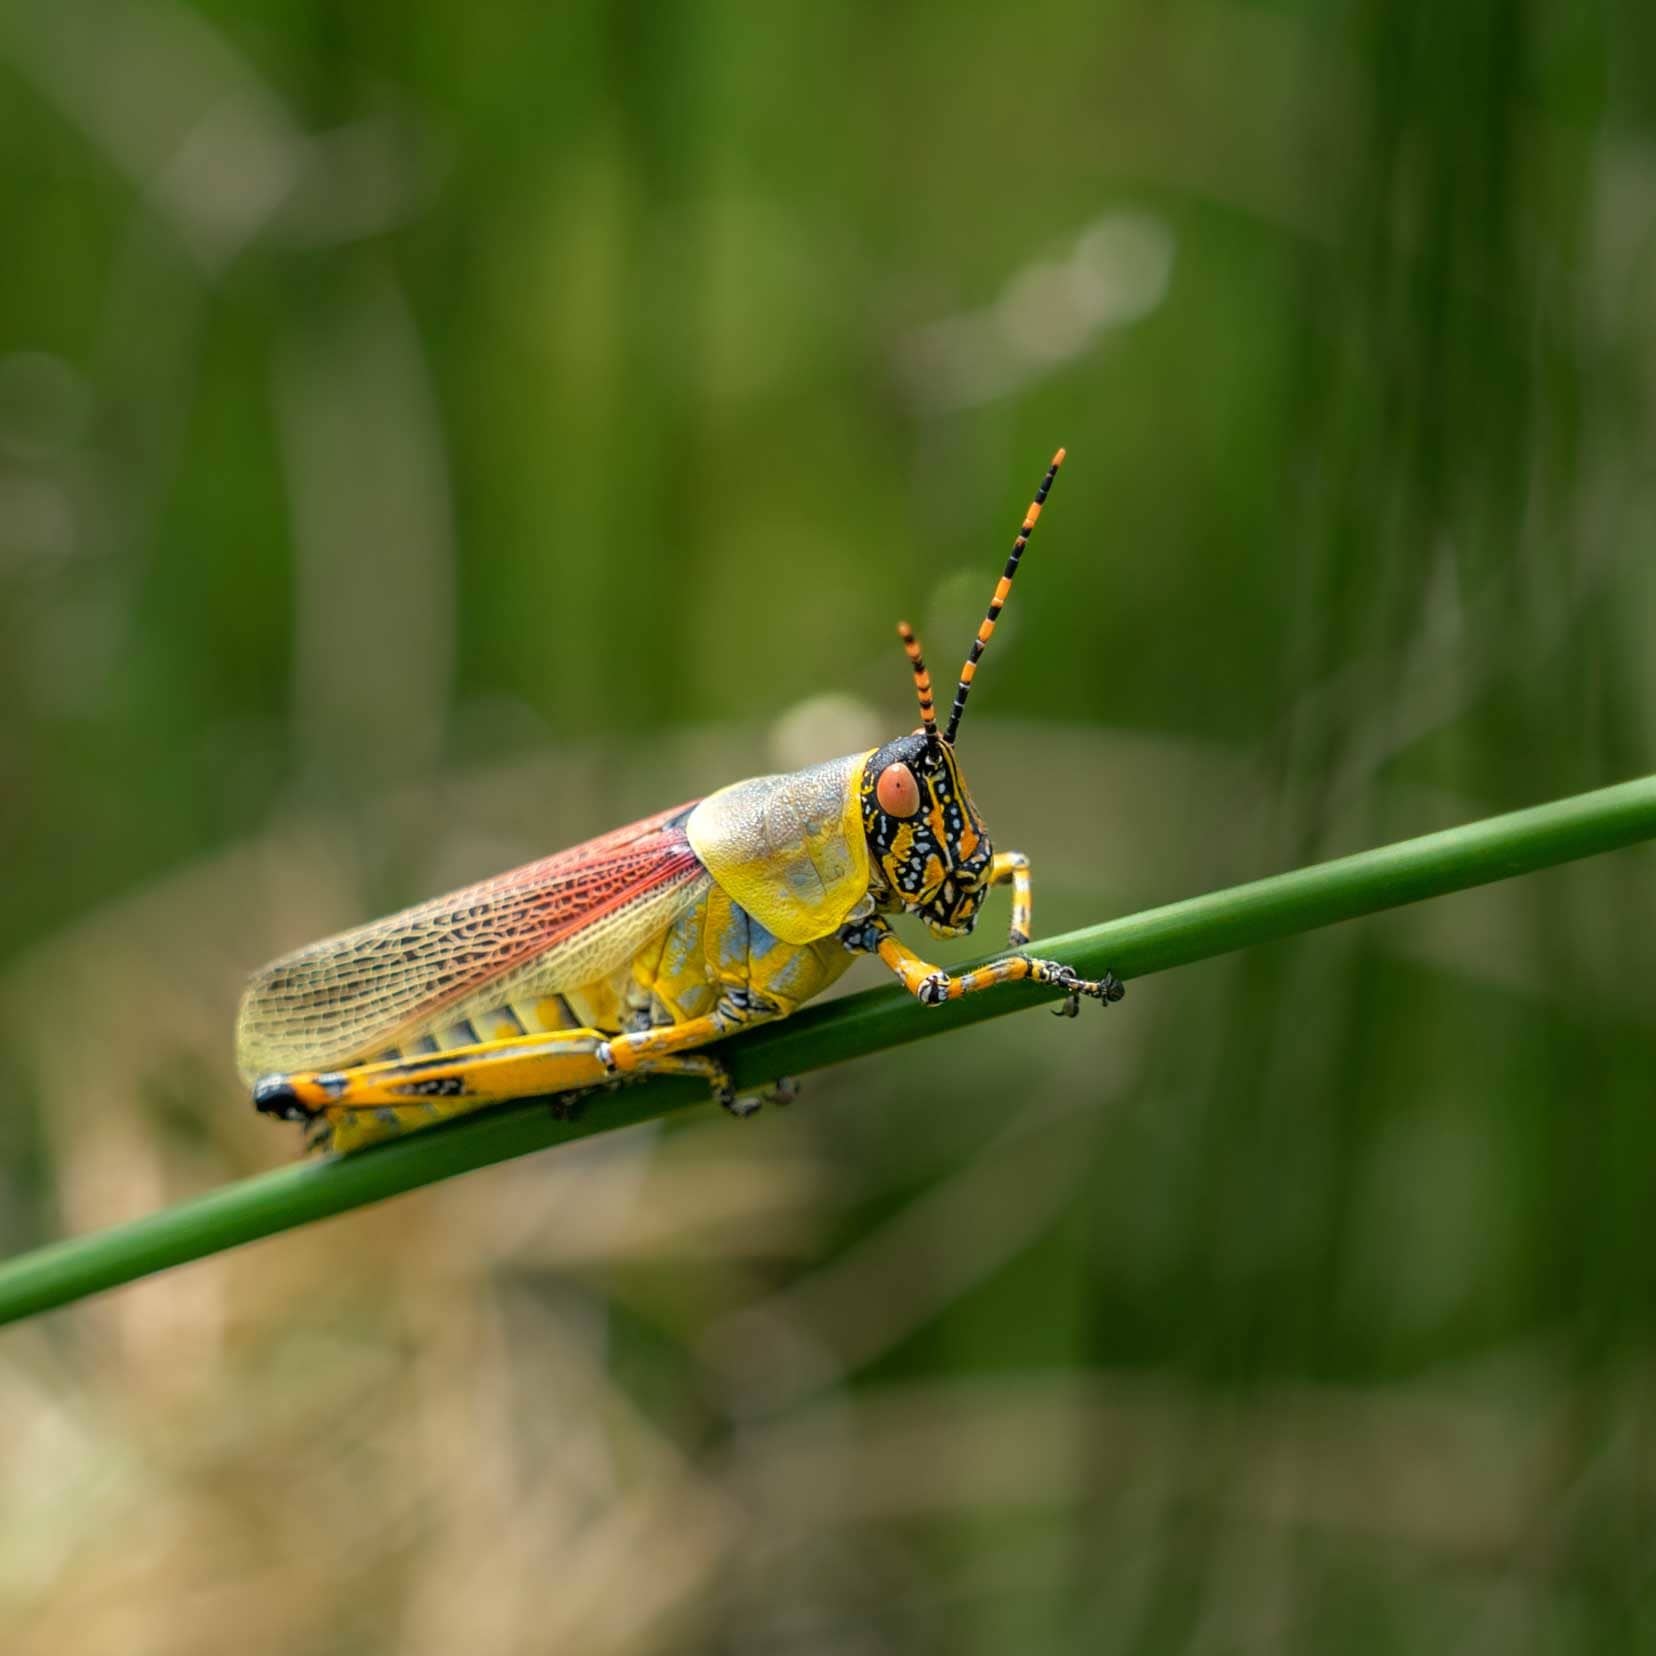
(669, 1049)
(931, 985)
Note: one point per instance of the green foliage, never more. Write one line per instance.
(433, 434)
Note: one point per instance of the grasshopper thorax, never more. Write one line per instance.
(924, 832)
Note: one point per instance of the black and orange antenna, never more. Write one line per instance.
(998, 602)
(922, 679)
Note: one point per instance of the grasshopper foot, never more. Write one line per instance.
(567, 1106)
(723, 1088)
(1104, 990)
(784, 1090)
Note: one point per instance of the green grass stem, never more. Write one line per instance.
(1497, 848)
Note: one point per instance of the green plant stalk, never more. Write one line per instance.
(1200, 927)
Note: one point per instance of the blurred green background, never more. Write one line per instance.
(430, 435)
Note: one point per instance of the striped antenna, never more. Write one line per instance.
(922, 679)
(969, 671)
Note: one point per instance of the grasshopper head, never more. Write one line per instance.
(925, 832)
(923, 829)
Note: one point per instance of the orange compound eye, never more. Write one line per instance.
(897, 791)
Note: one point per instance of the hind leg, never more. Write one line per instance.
(463, 1078)
(369, 1103)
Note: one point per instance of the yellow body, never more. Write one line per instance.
(753, 935)
(674, 978)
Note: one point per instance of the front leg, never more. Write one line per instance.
(1012, 868)
(931, 985)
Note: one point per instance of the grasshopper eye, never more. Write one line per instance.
(897, 791)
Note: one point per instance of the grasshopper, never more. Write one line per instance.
(630, 954)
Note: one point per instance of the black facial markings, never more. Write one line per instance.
(953, 900)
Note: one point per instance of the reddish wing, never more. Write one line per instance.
(341, 1000)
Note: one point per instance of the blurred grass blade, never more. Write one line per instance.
(1477, 854)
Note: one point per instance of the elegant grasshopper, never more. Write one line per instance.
(628, 955)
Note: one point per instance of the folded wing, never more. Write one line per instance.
(552, 925)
